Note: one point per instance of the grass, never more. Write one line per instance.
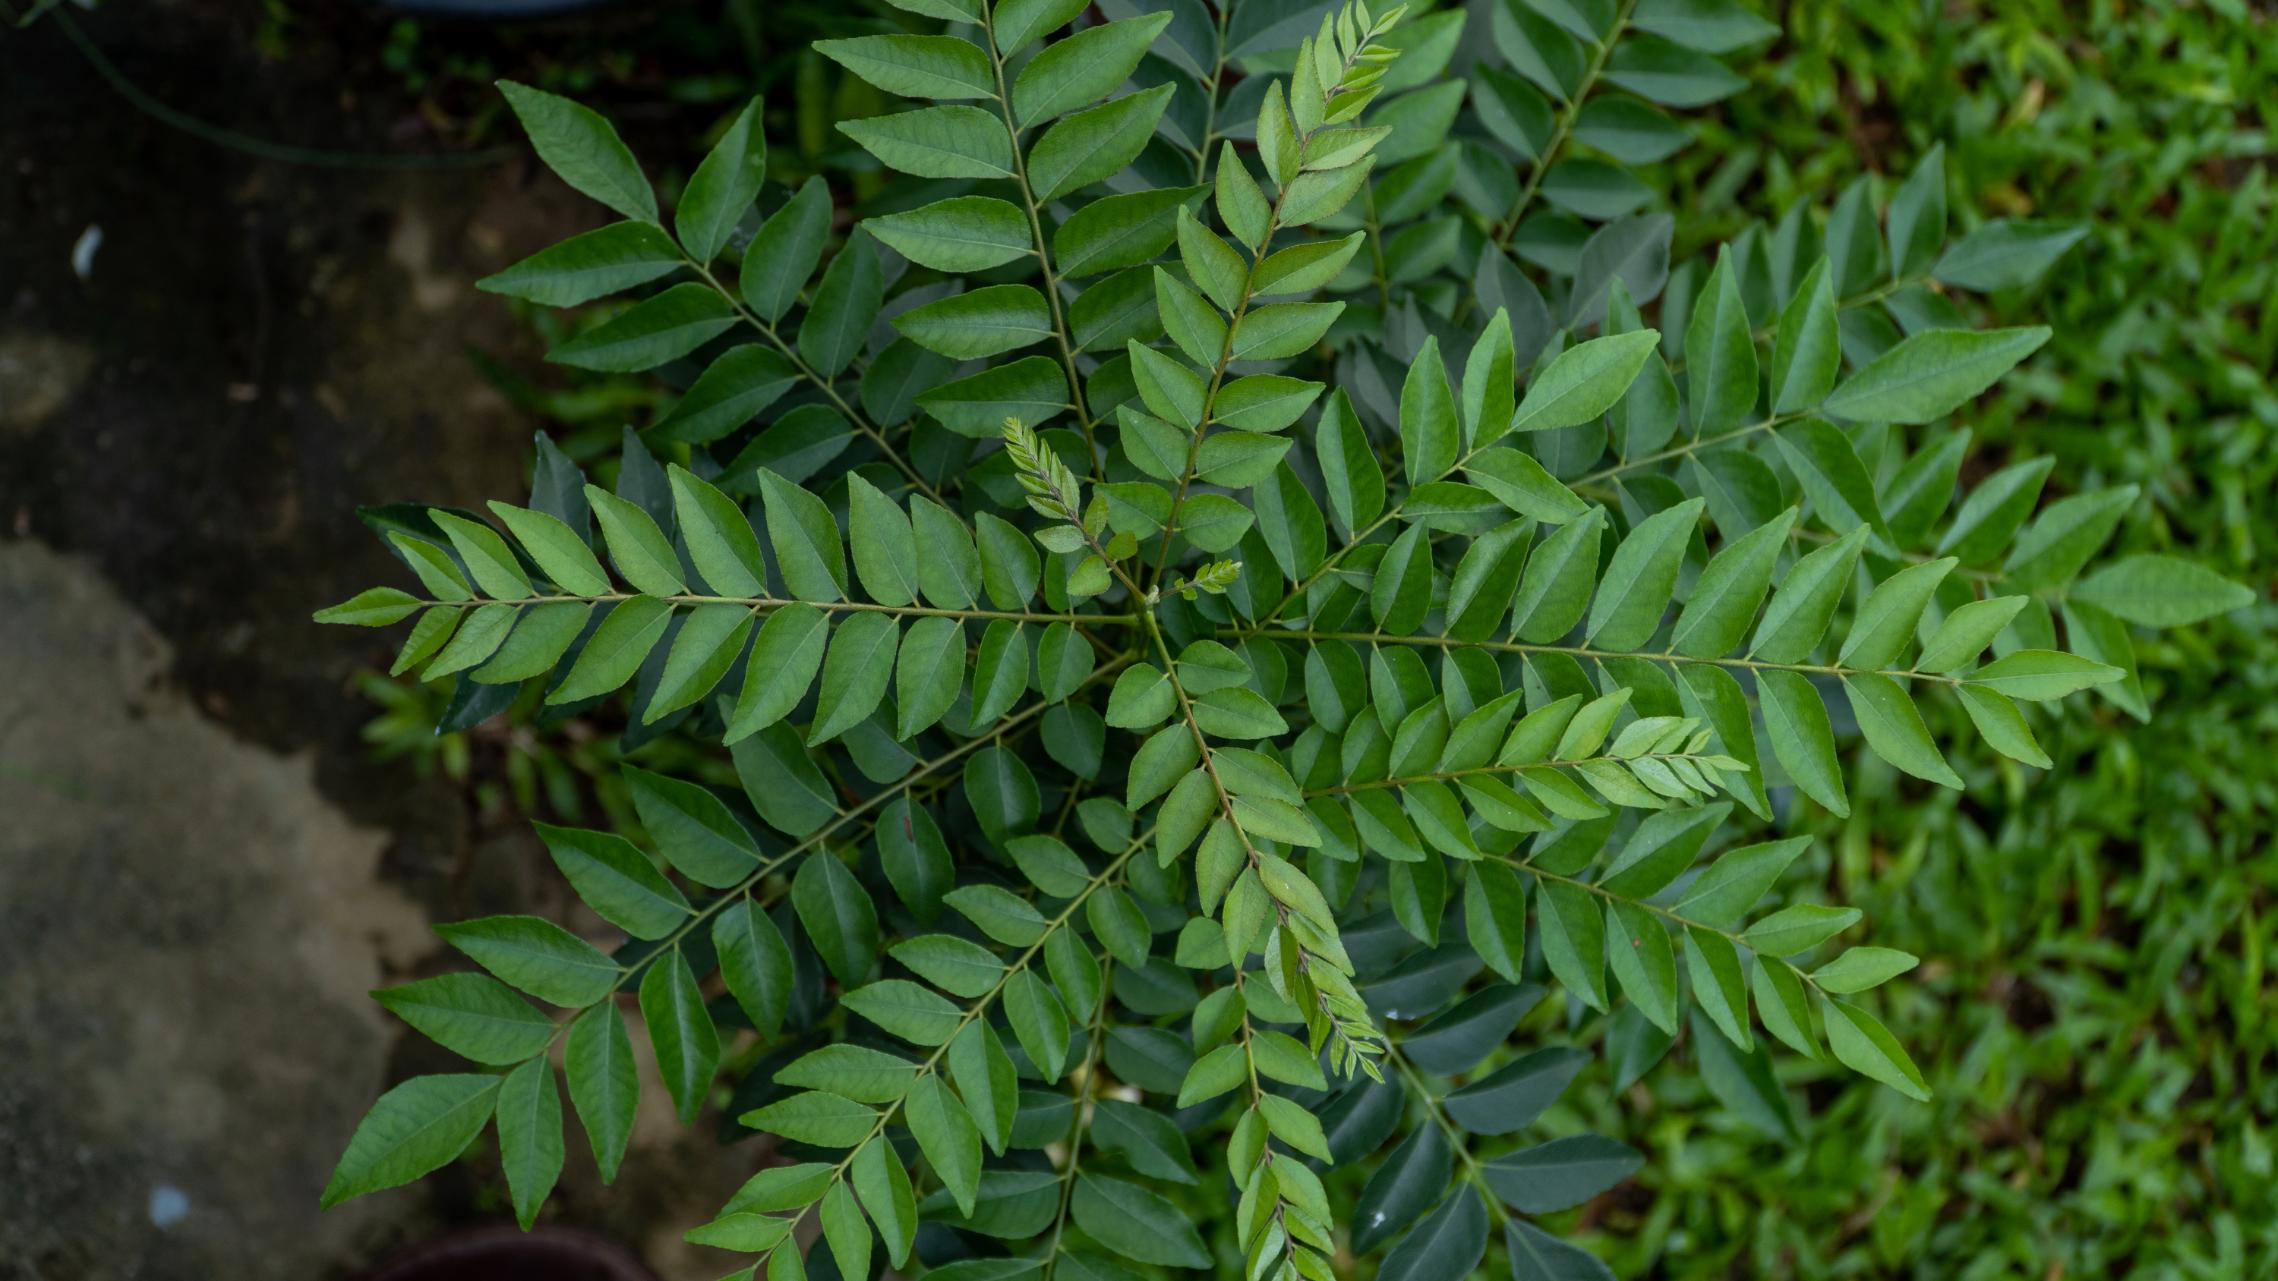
(2093, 1009)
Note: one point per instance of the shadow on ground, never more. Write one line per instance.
(206, 362)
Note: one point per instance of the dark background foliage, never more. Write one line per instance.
(260, 340)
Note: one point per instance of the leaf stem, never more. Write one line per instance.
(1393, 512)
(1667, 914)
(846, 408)
(1578, 651)
(1226, 348)
(1563, 127)
(1456, 1139)
(980, 1007)
(1692, 446)
(1214, 83)
(1086, 1074)
(1450, 776)
(1865, 298)
(922, 771)
(1376, 250)
(1060, 333)
(828, 607)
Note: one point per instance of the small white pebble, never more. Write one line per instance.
(83, 253)
(169, 1205)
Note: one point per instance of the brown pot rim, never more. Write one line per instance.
(607, 1260)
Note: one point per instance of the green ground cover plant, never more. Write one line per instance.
(1245, 653)
(2087, 1015)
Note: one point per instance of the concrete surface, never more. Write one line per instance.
(190, 930)
(202, 867)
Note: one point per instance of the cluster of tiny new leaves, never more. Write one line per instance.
(1192, 745)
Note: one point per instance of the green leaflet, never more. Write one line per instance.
(782, 782)
(1277, 330)
(2006, 253)
(930, 673)
(756, 964)
(603, 1083)
(979, 322)
(1520, 483)
(1893, 727)
(915, 66)
(616, 649)
(1887, 618)
(536, 956)
(961, 234)
(1119, 231)
(1136, 1223)
(1412, 1178)
(1966, 632)
(561, 553)
(472, 1015)
(1730, 590)
(1644, 962)
(785, 251)
(1806, 353)
(884, 1186)
(907, 1010)
(1403, 584)
(1430, 434)
(1795, 719)
(538, 641)
(589, 266)
(844, 1228)
(1833, 478)
(936, 142)
(643, 555)
(530, 1148)
(2161, 591)
(1088, 65)
(945, 1132)
(486, 556)
(1720, 356)
(693, 829)
(805, 538)
(1583, 382)
(478, 637)
(687, 1045)
(710, 640)
(1639, 580)
(2039, 675)
(582, 148)
(784, 659)
(845, 304)
(838, 915)
(1092, 144)
(723, 186)
(414, 1128)
(663, 328)
(1018, 22)
(719, 538)
(823, 1120)
(616, 880)
(1931, 374)
(1801, 609)
(2063, 536)
(1558, 581)
(373, 607)
(1864, 1045)
(1349, 472)
(885, 549)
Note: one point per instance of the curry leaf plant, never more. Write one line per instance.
(1201, 808)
